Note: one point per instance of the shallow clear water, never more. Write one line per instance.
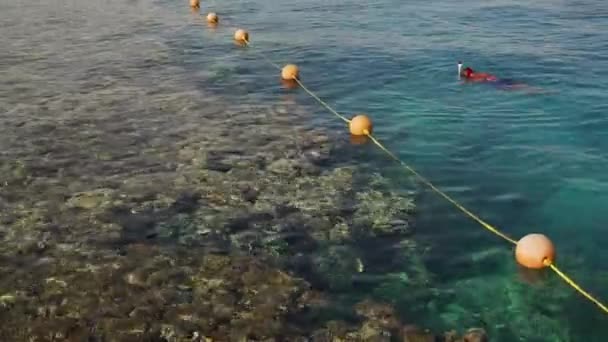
(526, 162)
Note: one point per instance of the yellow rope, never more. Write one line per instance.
(321, 101)
(278, 67)
(483, 223)
(444, 195)
(476, 218)
(488, 226)
(575, 286)
(328, 107)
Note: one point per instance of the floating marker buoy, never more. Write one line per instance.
(195, 3)
(290, 72)
(535, 251)
(241, 36)
(212, 18)
(360, 125)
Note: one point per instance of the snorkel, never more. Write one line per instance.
(459, 69)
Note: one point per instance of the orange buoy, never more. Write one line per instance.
(290, 72)
(195, 3)
(360, 125)
(535, 251)
(241, 36)
(212, 18)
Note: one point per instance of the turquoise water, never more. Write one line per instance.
(526, 162)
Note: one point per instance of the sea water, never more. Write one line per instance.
(527, 162)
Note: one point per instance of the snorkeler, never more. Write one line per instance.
(471, 75)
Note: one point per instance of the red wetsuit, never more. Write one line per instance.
(481, 77)
(471, 75)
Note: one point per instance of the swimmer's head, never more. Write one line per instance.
(467, 72)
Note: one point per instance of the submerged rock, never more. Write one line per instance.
(415, 334)
(137, 278)
(249, 194)
(284, 167)
(373, 331)
(475, 335)
(91, 199)
(384, 213)
(7, 300)
(217, 165)
(249, 296)
(380, 312)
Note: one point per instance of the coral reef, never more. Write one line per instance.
(235, 242)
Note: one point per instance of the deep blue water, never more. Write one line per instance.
(525, 162)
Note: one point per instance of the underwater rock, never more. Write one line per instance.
(135, 226)
(166, 275)
(306, 168)
(7, 300)
(106, 233)
(3, 203)
(414, 334)
(451, 336)
(339, 232)
(294, 230)
(216, 161)
(246, 221)
(281, 210)
(189, 154)
(7, 218)
(144, 313)
(13, 173)
(98, 198)
(316, 157)
(384, 213)
(217, 165)
(373, 331)
(57, 329)
(182, 312)
(167, 332)
(475, 335)
(249, 194)
(313, 299)
(335, 266)
(250, 296)
(293, 167)
(31, 247)
(186, 202)
(333, 331)
(283, 167)
(136, 278)
(381, 313)
(124, 328)
(382, 323)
